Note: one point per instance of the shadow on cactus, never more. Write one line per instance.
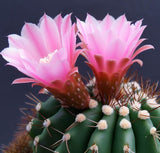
(111, 113)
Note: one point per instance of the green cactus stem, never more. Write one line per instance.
(129, 124)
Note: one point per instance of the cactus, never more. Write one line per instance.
(129, 123)
(111, 113)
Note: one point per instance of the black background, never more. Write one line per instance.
(13, 14)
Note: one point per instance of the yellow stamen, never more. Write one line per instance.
(48, 58)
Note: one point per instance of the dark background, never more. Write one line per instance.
(13, 14)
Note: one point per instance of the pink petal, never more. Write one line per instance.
(81, 27)
(142, 49)
(29, 51)
(110, 66)
(33, 34)
(66, 24)
(11, 55)
(140, 41)
(138, 24)
(15, 41)
(135, 36)
(75, 56)
(100, 62)
(140, 62)
(50, 33)
(58, 19)
(107, 22)
(119, 23)
(91, 20)
(23, 80)
(123, 63)
(94, 44)
(69, 41)
(125, 32)
(114, 50)
(75, 69)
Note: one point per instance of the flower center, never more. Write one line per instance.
(48, 58)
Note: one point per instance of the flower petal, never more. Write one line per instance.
(142, 49)
(23, 80)
(50, 33)
(33, 34)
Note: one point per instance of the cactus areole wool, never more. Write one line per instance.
(112, 113)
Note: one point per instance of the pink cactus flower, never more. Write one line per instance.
(47, 54)
(110, 48)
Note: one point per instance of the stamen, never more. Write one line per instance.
(48, 58)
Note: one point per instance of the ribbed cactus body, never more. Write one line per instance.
(129, 128)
